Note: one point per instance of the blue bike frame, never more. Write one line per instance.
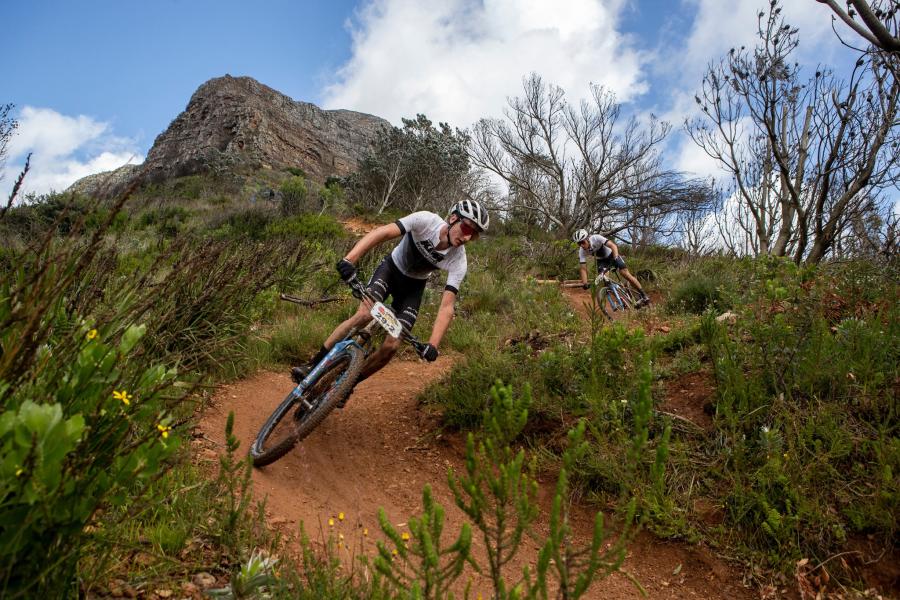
(325, 363)
(619, 304)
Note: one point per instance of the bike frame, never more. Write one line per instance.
(323, 364)
(614, 287)
(332, 356)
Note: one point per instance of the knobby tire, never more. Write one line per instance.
(606, 299)
(606, 302)
(339, 379)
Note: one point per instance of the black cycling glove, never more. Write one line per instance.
(429, 353)
(346, 268)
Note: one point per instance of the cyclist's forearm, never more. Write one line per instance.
(443, 319)
(372, 239)
(583, 270)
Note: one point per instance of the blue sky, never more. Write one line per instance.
(95, 81)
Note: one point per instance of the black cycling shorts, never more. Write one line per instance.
(610, 263)
(405, 292)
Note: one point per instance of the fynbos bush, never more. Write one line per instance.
(99, 441)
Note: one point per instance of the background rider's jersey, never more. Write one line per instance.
(415, 256)
(598, 249)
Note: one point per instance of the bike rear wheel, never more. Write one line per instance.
(629, 296)
(292, 421)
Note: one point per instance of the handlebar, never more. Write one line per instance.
(360, 292)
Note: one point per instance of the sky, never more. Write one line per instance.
(95, 81)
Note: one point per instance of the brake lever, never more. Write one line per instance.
(356, 288)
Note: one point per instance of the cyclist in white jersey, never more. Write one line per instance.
(607, 254)
(429, 243)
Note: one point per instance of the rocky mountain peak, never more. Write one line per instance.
(237, 121)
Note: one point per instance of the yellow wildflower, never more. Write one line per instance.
(404, 536)
(394, 552)
(366, 531)
(123, 396)
(341, 537)
(19, 471)
(92, 334)
(163, 430)
(340, 516)
(330, 522)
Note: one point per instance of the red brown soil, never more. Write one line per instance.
(357, 226)
(580, 300)
(688, 396)
(382, 449)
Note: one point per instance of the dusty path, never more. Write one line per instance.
(379, 452)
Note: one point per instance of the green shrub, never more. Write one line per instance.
(168, 220)
(307, 227)
(250, 223)
(293, 195)
(696, 295)
(99, 441)
(190, 187)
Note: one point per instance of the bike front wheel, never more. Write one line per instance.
(611, 299)
(297, 416)
(607, 302)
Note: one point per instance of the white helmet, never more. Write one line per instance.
(473, 211)
(579, 236)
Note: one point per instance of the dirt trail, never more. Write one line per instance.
(381, 449)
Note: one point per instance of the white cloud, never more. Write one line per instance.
(64, 149)
(694, 162)
(458, 60)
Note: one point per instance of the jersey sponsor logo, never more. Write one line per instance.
(428, 251)
(420, 255)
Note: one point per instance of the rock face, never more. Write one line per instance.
(107, 183)
(237, 121)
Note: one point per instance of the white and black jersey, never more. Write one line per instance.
(598, 249)
(415, 256)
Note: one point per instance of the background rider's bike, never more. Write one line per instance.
(612, 295)
(328, 384)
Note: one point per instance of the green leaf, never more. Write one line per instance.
(131, 337)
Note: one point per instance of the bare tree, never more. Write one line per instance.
(578, 166)
(879, 21)
(872, 232)
(696, 227)
(803, 156)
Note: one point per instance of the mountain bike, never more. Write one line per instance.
(613, 296)
(328, 384)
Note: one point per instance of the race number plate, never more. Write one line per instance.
(387, 319)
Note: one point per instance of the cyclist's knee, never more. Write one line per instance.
(362, 315)
(391, 345)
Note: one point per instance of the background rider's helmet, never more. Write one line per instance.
(579, 236)
(473, 211)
